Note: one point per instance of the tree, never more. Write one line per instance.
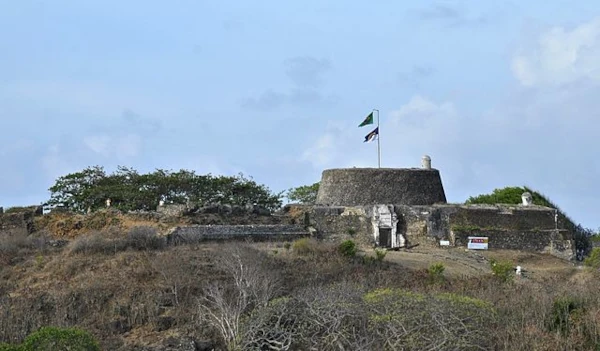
(130, 190)
(79, 191)
(306, 194)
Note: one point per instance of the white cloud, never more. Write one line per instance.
(98, 143)
(121, 147)
(560, 56)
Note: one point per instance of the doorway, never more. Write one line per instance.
(385, 237)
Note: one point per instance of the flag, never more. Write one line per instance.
(368, 120)
(371, 136)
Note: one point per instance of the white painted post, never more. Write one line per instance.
(426, 162)
(527, 199)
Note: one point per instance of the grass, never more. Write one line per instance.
(145, 282)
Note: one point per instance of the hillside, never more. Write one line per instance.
(117, 278)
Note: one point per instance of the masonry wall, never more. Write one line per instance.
(19, 218)
(551, 241)
(506, 217)
(228, 232)
(338, 223)
(374, 186)
(508, 227)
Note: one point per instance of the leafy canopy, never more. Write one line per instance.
(306, 194)
(129, 190)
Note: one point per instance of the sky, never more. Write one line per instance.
(497, 93)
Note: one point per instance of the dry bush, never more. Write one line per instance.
(12, 242)
(94, 242)
(318, 318)
(144, 238)
(412, 321)
(137, 238)
(250, 286)
(306, 246)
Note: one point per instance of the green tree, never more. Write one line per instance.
(306, 194)
(130, 190)
(79, 191)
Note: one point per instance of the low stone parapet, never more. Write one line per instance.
(197, 233)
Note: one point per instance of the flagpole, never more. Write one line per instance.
(378, 143)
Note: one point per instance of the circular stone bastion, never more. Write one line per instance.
(373, 186)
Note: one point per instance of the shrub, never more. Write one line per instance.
(593, 260)
(436, 272)
(52, 339)
(380, 255)
(302, 246)
(564, 310)
(351, 231)
(287, 246)
(13, 240)
(144, 238)
(502, 270)
(92, 243)
(8, 347)
(348, 248)
(412, 321)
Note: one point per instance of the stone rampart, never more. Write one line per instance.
(373, 186)
(555, 242)
(19, 218)
(504, 216)
(275, 232)
(508, 227)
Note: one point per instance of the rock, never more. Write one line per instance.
(164, 323)
(58, 243)
(225, 209)
(261, 211)
(186, 344)
(119, 326)
(211, 208)
(205, 346)
(238, 210)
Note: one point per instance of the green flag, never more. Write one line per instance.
(367, 121)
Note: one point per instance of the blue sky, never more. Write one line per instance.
(498, 93)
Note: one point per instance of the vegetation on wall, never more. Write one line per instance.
(512, 195)
(129, 190)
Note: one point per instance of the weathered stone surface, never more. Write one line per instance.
(526, 240)
(528, 228)
(376, 186)
(180, 235)
(505, 217)
(340, 223)
(17, 220)
(174, 210)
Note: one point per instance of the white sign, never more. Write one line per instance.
(477, 243)
(444, 243)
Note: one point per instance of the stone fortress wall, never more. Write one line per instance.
(403, 207)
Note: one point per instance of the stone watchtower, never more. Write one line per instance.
(378, 186)
(378, 191)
